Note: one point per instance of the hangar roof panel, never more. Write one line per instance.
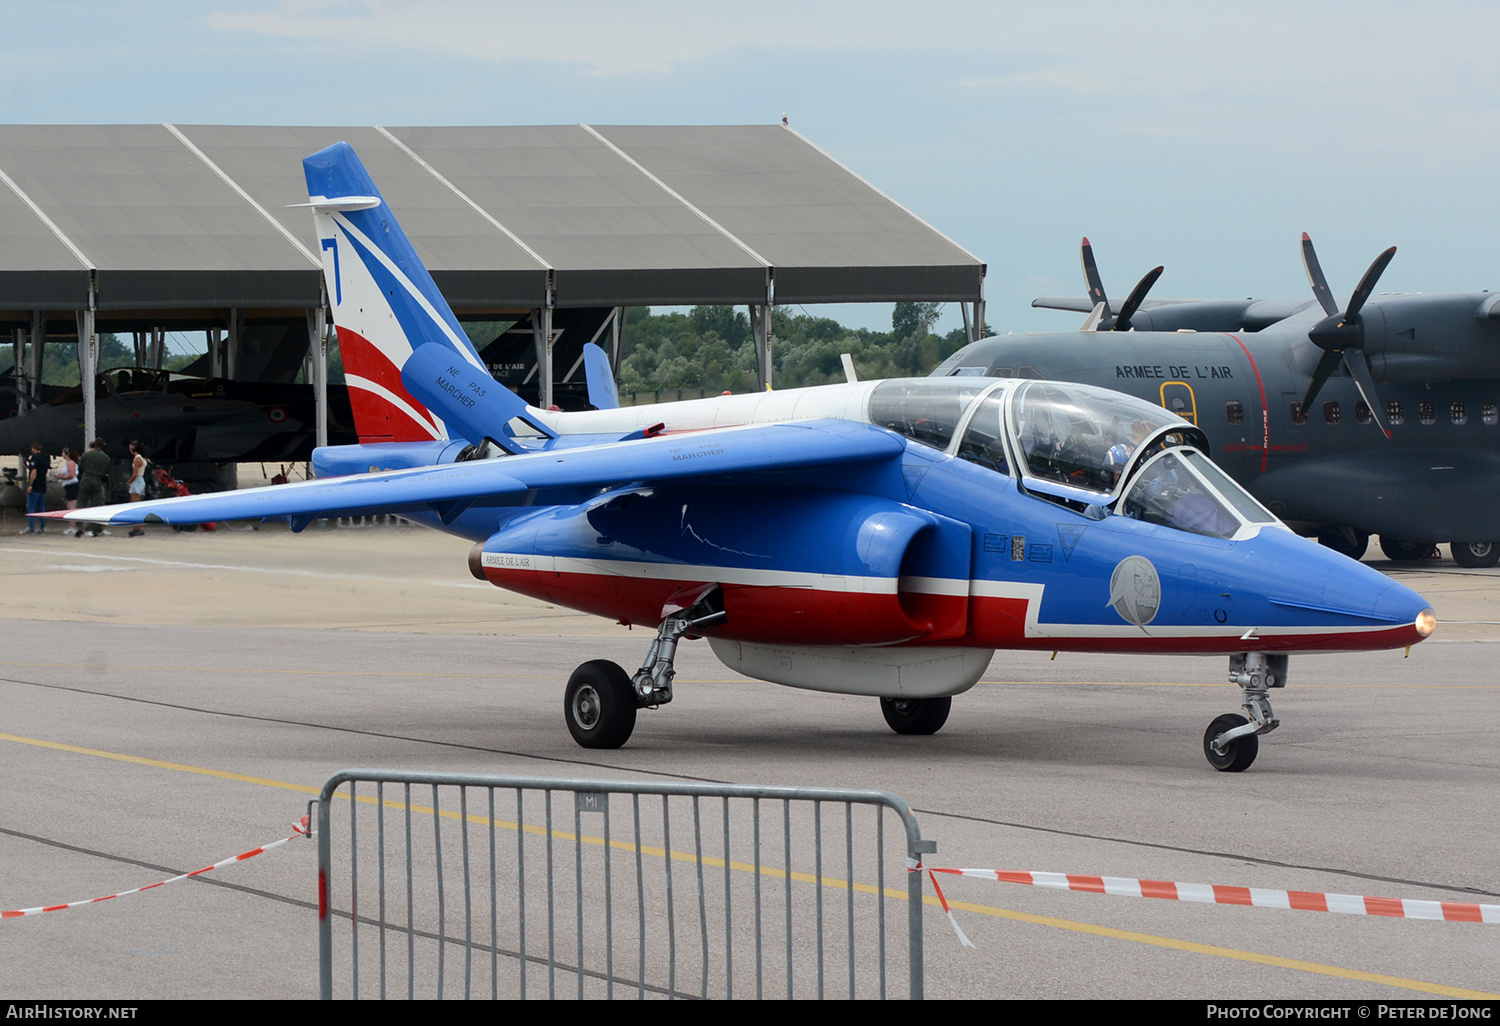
(585, 209)
(203, 216)
(814, 219)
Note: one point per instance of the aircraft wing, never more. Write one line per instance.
(549, 477)
(1083, 305)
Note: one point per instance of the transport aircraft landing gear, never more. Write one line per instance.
(1403, 551)
(1344, 540)
(1476, 555)
(916, 715)
(601, 700)
(1230, 743)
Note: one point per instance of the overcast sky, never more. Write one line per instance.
(1205, 137)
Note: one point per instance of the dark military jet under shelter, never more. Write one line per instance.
(1378, 415)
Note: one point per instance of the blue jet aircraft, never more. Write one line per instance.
(872, 538)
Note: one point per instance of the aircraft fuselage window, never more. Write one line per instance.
(1234, 411)
(1331, 412)
(1395, 413)
(1299, 415)
(1457, 413)
(1426, 412)
(1489, 414)
(1361, 413)
(926, 410)
(982, 442)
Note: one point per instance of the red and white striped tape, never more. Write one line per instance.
(1260, 897)
(299, 829)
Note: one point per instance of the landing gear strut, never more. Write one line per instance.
(600, 702)
(1231, 741)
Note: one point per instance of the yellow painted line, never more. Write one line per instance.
(1212, 949)
(830, 882)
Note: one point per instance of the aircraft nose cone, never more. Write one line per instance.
(1399, 604)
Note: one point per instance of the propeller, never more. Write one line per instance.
(1101, 319)
(1341, 336)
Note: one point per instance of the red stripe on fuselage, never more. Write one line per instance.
(1265, 411)
(774, 614)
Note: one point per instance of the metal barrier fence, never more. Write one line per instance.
(491, 886)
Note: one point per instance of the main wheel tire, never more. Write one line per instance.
(1335, 539)
(599, 705)
(1239, 754)
(916, 715)
(1404, 551)
(1476, 555)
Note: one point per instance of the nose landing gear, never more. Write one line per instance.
(1231, 741)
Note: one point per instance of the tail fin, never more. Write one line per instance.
(600, 378)
(385, 304)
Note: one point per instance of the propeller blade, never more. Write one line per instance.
(1367, 283)
(1315, 277)
(1359, 366)
(1326, 364)
(1091, 276)
(1136, 298)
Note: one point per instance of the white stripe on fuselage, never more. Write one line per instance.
(1031, 594)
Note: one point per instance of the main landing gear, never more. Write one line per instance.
(600, 701)
(916, 715)
(1231, 741)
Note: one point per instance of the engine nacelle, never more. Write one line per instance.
(869, 571)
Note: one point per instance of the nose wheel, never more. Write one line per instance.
(1231, 742)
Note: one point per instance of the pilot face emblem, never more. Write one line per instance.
(1135, 590)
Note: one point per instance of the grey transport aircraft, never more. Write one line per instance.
(1375, 417)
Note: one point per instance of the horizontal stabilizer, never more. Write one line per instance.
(469, 400)
(550, 477)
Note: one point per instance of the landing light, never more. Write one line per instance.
(1426, 622)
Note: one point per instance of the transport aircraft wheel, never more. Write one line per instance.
(1240, 753)
(1340, 542)
(1404, 552)
(599, 705)
(916, 715)
(1476, 555)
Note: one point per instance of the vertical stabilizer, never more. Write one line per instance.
(385, 304)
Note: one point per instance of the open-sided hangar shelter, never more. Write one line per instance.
(148, 228)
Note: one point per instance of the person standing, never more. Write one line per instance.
(93, 481)
(38, 466)
(137, 483)
(67, 476)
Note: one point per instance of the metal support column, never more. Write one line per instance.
(317, 351)
(38, 350)
(232, 342)
(18, 364)
(541, 334)
(616, 337)
(760, 325)
(215, 353)
(88, 368)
